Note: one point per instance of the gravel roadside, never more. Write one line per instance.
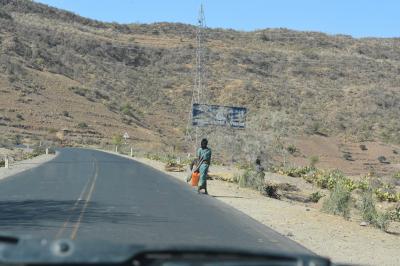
(20, 166)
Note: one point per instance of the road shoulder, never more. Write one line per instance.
(327, 235)
(21, 166)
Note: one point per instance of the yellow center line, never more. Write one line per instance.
(64, 226)
(78, 223)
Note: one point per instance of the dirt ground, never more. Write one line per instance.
(331, 151)
(327, 235)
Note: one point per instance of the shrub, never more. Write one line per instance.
(328, 179)
(316, 196)
(150, 156)
(20, 117)
(347, 156)
(394, 181)
(79, 90)
(313, 160)
(236, 178)
(65, 113)
(270, 190)
(52, 130)
(251, 179)
(382, 221)
(315, 127)
(394, 214)
(265, 38)
(321, 178)
(39, 150)
(363, 147)
(387, 193)
(82, 125)
(168, 158)
(17, 139)
(117, 139)
(371, 215)
(293, 171)
(363, 184)
(5, 15)
(396, 175)
(375, 182)
(382, 159)
(243, 165)
(367, 208)
(292, 149)
(126, 109)
(339, 200)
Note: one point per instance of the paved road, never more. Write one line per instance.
(86, 194)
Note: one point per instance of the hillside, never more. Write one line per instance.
(94, 80)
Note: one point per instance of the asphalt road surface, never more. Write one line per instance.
(87, 194)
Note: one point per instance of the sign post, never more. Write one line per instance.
(126, 136)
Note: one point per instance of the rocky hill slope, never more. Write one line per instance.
(95, 80)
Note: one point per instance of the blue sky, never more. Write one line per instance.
(359, 18)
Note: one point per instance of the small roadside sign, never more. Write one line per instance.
(126, 136)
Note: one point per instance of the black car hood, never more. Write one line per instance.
(27, 250)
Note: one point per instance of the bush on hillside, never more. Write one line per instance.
(117, 139)
(363, 147)
(292, 149)
(347, 156)
(251, 179)
(316, 196)
(313, 160)
(82, 125)
(270, 190)
(382, 159)
(339, 200)
(369, 212)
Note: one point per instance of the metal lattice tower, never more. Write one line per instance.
(199, 77)
(192, 134)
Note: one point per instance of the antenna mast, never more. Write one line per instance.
(198, 88)
(199, 78)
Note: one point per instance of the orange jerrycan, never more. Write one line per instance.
(195, 179)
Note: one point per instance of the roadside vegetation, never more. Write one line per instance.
(328, 180)
(12, 149)
(339, 200)
(344, 196)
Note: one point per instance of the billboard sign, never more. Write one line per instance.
(216, 115)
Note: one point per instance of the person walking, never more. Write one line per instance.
(204, 158)
(259, 167)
